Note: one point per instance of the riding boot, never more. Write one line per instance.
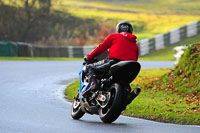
(92, 79)
(94, 83)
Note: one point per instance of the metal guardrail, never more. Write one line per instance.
(172, 37)
(146, 46)
(8, 48)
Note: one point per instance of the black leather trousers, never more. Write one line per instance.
(102, 66)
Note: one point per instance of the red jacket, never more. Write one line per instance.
(121, 46)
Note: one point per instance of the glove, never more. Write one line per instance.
(86, 60)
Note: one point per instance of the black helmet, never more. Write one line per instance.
(124, 26)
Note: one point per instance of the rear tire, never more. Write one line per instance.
(113, 110)
(76, 111)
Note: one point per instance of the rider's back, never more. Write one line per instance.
(123, 47)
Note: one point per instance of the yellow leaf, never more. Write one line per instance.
(187, 102)
(196, 101)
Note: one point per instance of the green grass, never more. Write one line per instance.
(175, 97)
(153, 6)
(168, 52)
(148, 18)
(184, 79)
(72, 90)
(39, 58)
(164, 107)
(144, 25)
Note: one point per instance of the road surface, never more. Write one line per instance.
(31, 101)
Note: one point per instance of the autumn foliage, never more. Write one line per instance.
(173, 97)
(184, 80)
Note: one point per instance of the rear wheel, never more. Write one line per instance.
(112, 110)
(76, 111)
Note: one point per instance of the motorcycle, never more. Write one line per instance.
(113, 95)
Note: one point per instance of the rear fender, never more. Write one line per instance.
(125, 71)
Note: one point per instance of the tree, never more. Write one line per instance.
(34, 14)
(33, 21)
(45, 6)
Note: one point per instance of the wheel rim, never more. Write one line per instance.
(75, 106)
(105, 110)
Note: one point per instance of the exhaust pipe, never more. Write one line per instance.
(137, 91)
(133, 95)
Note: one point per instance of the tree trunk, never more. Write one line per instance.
(45, 6)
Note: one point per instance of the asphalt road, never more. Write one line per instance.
(31, 101)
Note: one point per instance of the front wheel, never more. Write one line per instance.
(76, 111)
(112, 110)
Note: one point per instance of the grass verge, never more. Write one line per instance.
(72, 90)
(174, 97)
(163, 106)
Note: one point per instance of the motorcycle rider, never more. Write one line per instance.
(122, 47)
